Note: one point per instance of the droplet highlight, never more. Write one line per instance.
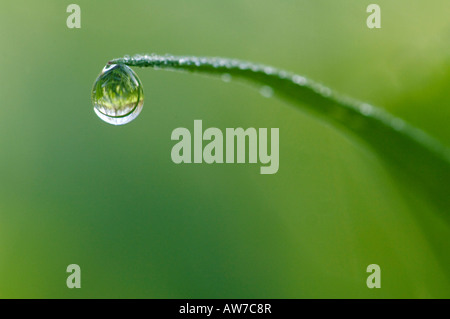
(117, 94)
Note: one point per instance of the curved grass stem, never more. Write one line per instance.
(414, 154)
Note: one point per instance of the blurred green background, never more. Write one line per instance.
(74, 189)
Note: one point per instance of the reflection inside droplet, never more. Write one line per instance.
(117, 94)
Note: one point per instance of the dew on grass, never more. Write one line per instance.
(226, 77)
(117, 94)
(266, 91)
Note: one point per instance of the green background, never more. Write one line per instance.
(74, 189)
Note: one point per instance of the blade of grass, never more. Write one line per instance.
(413, 156)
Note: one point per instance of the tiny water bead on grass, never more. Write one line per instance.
(117, 94)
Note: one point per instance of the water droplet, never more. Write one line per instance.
(226, 77)
(269, 70)
(398, 124)
(366, 109)
(300, 80)
(323, 89)
(283, 74)
(255, 67)
(244, 66)
(117, 94)
(266, 91)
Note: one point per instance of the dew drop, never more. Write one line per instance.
(266, 91)
(298, 79)
(244, 66)
(117, 94)
(366, 109)
(255, 67)
(269, 70)
(283, 74)
(226, 77)
(398, 124)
